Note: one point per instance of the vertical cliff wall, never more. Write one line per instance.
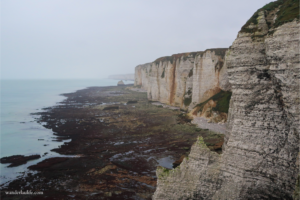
(208, 69)
(262, 143)
(141, 75)
(186, 79)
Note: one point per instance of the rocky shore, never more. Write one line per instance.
(118, 139)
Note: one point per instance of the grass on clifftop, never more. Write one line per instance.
(253, 19)
(289, 10)
(163, 59)
(219, 51)
(222, 98)
(175, 57)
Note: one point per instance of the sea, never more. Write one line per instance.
(19, 133)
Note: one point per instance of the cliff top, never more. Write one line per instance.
(288, 11)
(176, 56)
(218, 51)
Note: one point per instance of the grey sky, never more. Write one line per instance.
(96, 38)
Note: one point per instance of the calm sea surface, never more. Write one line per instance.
(19, 133)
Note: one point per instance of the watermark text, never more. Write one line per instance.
(21, 192)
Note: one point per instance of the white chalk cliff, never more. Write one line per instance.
(262, 70)
(185, 80)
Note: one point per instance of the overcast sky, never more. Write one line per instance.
(65, 39)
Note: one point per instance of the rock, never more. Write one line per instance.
(47, 163)
(56, 140)
(111, 108)
(121, 83)
(131, 102)
(18, 159)
(201, 165)
(262, 142)
(179, 161)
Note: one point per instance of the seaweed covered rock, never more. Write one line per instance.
(17, 160)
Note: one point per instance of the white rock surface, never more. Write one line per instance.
(186, 79)
(262, 140)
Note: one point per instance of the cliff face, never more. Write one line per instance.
(184, 80)
(209, 74)
(262, 142)
(141, 75)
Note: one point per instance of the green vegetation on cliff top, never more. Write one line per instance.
(288, 11)
(174, 57)
(219, 51)
(163, 59)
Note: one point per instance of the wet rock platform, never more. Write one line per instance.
(118, 138)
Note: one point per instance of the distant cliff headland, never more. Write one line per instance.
(254, 86)
(126, 77)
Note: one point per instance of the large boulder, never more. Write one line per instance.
(120, 83)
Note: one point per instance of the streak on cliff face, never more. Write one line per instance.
(173, 84)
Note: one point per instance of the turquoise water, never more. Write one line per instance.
(19, 133)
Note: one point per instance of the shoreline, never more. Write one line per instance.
(20, 133)
(120, 143)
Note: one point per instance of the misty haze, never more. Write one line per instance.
(161, 100)
(94, 39)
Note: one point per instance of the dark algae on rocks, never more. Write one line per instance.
(118, 138)
(18, 160)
